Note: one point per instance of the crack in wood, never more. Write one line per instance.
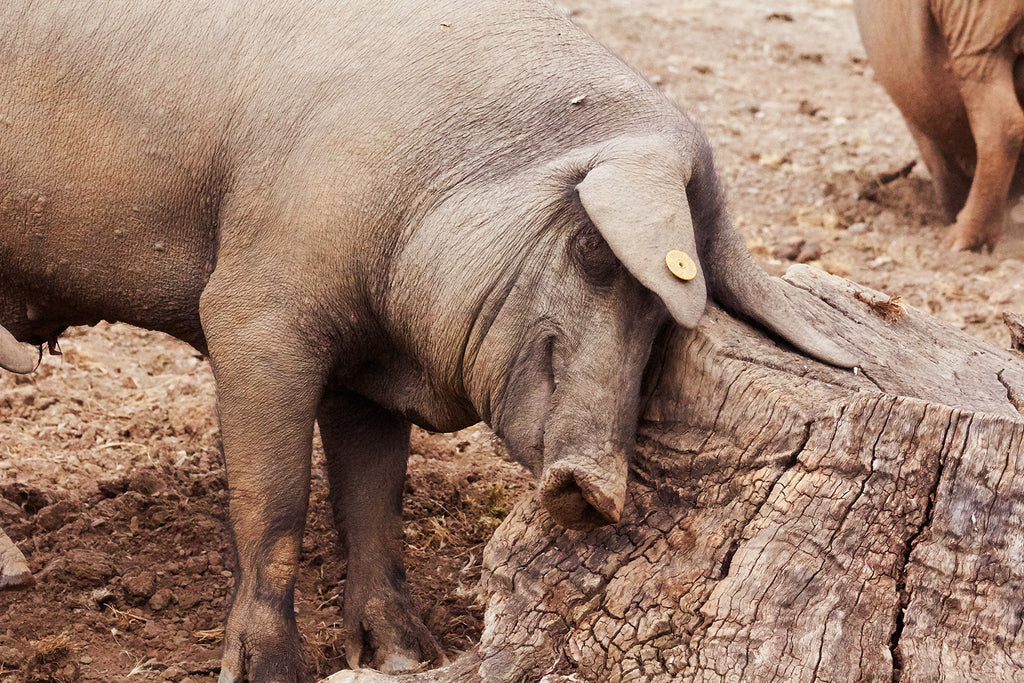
(867, 375)
(902, 591)
(1011, 395)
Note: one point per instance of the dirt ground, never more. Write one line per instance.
(111, 477)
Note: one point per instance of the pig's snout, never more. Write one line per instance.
(583, 496)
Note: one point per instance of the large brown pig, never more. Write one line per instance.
(369, 213)
(954, 68)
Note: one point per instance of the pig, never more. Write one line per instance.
(954, 69)
(368, 215)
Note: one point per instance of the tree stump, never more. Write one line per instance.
(787, 520)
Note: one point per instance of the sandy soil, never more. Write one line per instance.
(111, 477)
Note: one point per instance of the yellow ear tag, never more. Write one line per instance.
(681, 265)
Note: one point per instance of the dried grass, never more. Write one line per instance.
(51, 660)
(890, 309)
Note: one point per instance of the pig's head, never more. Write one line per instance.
(565, 274)
(568, 285)
(573, 334)
(575, 331)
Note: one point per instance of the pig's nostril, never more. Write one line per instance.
(577, 504)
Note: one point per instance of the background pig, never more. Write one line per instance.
(368, 215)
(954, 69)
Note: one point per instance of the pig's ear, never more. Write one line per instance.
(646, 222)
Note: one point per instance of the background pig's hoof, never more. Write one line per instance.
(960, 238)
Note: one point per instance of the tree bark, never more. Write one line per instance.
(787, 520)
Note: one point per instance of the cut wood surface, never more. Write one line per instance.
(787, 520)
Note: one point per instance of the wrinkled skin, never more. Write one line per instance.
(955, 70)
(369, 214)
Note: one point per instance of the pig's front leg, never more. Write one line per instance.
(268, 388)
(367, 449)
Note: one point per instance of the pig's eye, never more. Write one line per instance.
(593, 256)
